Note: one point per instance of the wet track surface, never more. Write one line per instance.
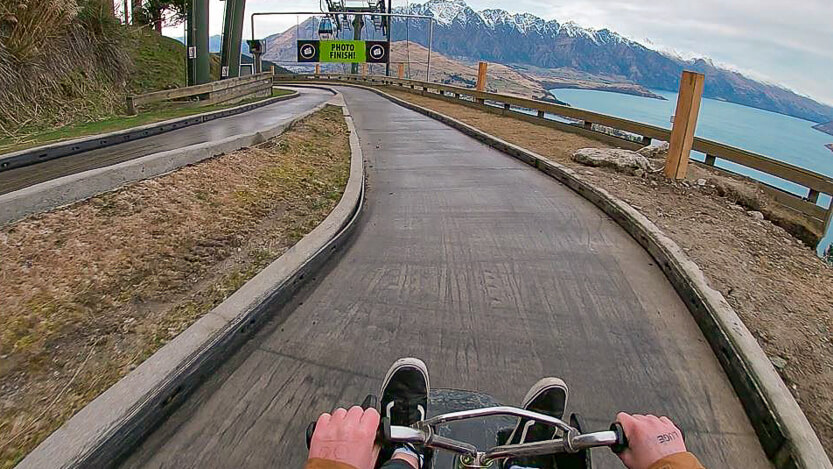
(491, 272)
(219, 129)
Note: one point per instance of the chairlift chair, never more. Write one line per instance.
(325, 28)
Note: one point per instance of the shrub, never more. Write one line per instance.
(27, 25)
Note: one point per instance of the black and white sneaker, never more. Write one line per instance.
(404, 398)
(549, 397)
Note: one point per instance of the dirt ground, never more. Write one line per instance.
(776, 283)
(87, 292)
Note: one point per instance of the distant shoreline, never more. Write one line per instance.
(826, 128)
(604, 88)
(829, 146)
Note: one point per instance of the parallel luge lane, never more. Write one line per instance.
(214, 130)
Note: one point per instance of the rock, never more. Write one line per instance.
(701, 182)
(778, 362)
(654, 152)
(736, 207)
(654, 183)
(618, 159)
(638, 173)
(756, 215)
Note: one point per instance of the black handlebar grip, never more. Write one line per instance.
(368, 402)
(621, 440)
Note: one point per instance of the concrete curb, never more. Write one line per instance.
(783, 430)
(107, 428)
(75, 187)
(51, 151)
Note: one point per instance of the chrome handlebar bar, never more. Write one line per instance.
(424, 433)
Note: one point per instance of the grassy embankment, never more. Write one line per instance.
(65, 69)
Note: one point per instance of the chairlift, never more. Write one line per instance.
(325, 27)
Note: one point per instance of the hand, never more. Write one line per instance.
(649, 439)
(347, 437)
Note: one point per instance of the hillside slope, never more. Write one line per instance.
(81, 70)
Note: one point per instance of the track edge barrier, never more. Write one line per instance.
(51, 151)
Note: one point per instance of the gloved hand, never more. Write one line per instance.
(347, 437)
(649, 439)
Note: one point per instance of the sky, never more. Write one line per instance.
(788, 43)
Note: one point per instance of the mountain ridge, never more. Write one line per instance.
(496, 35)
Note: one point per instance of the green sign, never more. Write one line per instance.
(314, 50)
(342, 51)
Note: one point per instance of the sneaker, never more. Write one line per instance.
(549, 397)
(404, 397)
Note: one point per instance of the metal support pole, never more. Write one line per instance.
(232, 37)
(358, 22)
(430, 45)
(199, 70)
(390, 27)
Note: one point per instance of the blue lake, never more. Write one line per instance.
(781, 137)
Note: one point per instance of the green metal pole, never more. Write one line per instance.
(232, 37)
(190, 44)
(203, 59)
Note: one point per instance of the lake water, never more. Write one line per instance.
(781, 137)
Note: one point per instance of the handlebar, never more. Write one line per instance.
(424, 433)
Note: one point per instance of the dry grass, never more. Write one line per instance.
(89, 291)
(777, 284)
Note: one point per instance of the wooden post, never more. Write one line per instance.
(540, 114)
(364, 69)
(401, 72)
(685, 123)
(481, 76)
(829, 220)
(131, 107)
(317, 69)
(813, 196)
(711, 160)
(273, 70)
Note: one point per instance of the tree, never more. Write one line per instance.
(160, 12)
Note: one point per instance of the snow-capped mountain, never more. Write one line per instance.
(499, 36)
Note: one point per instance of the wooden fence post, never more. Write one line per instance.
(317, 69)
(364, 69)
(481, 76)
(131, 106)
(401, 72)
(685, 123)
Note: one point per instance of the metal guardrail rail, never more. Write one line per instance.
(815, 183)
(216, 91)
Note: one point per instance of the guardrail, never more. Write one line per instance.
(214, 92)
(815, 183)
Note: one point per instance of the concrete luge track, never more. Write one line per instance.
(491, 272)
(251, 121)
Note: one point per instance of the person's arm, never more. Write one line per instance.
(344, 440)
(654, 443)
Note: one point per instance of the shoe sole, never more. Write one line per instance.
(542, 385)
(406, 363)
